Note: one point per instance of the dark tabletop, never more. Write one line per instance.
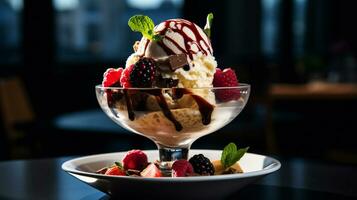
(297, 179)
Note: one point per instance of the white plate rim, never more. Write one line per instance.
(66, 166)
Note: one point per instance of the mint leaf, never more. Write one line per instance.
(118, 164)
(231, 155)
(227, 154)
(157, 37)
(240, 153)
(208, 25)
(144, 25)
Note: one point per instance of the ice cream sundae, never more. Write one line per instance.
(171, 89)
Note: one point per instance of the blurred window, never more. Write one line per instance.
(270, 25)
(271, 10)
(299, 24)
(97, 30)
(10, 30)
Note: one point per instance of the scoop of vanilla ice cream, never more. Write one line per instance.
(181, 36)
(200, 74)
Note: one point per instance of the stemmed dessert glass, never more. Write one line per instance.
(173, 118)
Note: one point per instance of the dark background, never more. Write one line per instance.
(58, 50)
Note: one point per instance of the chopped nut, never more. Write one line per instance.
(136, 46)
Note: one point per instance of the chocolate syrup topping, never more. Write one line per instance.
(179, 27)
(129, 105)
(205, 107)
(165, 108)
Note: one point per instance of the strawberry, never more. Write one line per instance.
(135, 159)
(151, 171)
(111, 77)
(115, 171)
(226, 78)
(181, 168)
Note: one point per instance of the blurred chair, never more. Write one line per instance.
(15, 109)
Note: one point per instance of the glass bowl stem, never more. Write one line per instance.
(167, 155)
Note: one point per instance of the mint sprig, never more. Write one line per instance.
(208, 25)
(118, 164)
(231, 155)
(144, 25)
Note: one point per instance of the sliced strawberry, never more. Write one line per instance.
(115, 171)
(151, 171)
(226, 78)
(111, 77)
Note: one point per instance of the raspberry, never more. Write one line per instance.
(151, 171)
(181, 168)
(226, 78)
(143, 73)
(111, 77)
(115, 171)
(135, 159)
(202, 165)
(124, 80)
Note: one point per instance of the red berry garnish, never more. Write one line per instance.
(181, 168)
(115, 171)
(151, 171)
(226, 78)
(125, 78)
(135, 159)
(143, 73)
(111, 77)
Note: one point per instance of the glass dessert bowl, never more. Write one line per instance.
(173, 118)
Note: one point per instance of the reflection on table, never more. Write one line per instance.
(88, 120)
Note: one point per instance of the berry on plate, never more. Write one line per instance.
(111, 77)
(115, 171)
(226, 78)
(181, 168)
(202, 165)
(151, 171)
(135, 159)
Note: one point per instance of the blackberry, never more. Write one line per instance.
(143, 73)
(202, 165)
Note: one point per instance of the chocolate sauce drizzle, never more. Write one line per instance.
(188, 40)
(205, 107)
(160, 99)
(178, 27)
(129, 105)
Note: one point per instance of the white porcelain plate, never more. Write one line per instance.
(203, 187)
